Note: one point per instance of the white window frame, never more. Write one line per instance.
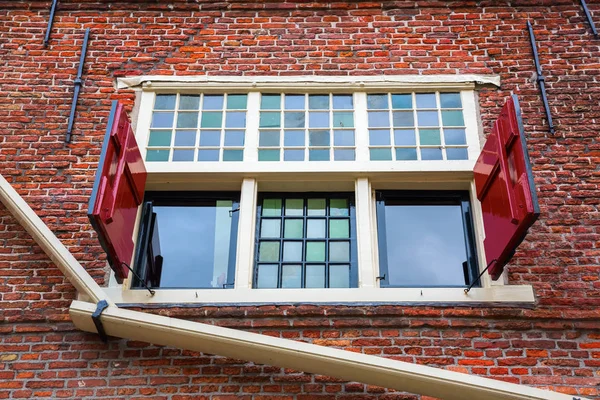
(361, 176)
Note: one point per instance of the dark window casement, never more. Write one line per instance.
(306, 240)
(118, 191)
(188, 240)
(505, 187)
(425, 239)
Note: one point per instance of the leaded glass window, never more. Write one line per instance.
(305, 241)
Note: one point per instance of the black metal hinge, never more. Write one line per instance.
(77, 85)
(101, 306)
(50, 22)
(540, 78)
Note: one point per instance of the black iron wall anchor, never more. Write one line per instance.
(540, 78)
(50, 22)
(77, 85)
(589, 18)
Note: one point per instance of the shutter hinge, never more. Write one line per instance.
(101, 306)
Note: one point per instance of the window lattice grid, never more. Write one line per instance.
(301, 127)
(305, 242)
(202, 127)
(416, 126)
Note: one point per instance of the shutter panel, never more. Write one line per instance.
(505, 187)
(118, 191)
(148, 260)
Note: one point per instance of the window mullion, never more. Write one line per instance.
(252, 120)
(246, 232)
(362, 131)
(364, 228)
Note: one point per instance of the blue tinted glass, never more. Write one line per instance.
(270, 102)
(450, 100)
(183, 155)
(185, 138)
(268, 139)
(403, 118)
(235, 119)
(208, 155)
(339, 276)
(343, 154)
(267, 276)
(293, 138)
(294, 120)
(431, 154)
(318, 120)
(318, 155)
(164, 102)
(380, 154)
(459, 153)
(409, 153)
(379, 137)
(187, 120)
(378, 119)
(233, 155)
(210, 138)
(268, 155)
(234, 138)
(342, 102)
(294, 102)
(377, 101)
(455, 136)
(319, 138)
(404, 137)
(293, 155)
(162, 120)
(426, 100)
(401, 101)
(343, 138)
(270, 120)
(318, 101)
(187, 102)
(213, 102)
(452, 118)
(291, 276)
(428, 118)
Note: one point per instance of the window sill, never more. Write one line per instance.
(495, 295)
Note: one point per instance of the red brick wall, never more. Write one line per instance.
(555, 343)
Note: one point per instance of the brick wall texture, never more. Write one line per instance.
(553, 344)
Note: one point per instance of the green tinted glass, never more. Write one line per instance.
(271, 207)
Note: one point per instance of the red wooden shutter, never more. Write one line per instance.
(118, 191)
(505, 187)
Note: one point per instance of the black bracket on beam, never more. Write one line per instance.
(50, 22)
(480, 275)
(152, 292)
(589, 18)
(540, 78)
(77, 85)
(101, 306)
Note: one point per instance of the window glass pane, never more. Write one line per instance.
(343, 155)
(157, 155)
(338, 207)
(270, 120)
(294, 120)
(339, 276)
(270, 228)
(211, 119)
(343, 120)
(292, 251)
(234, 138)
(430, 137)
(380, 154)
(319, 138)
(315, 228)
(342, 102)
(406, 153)
(315, 251)
(268, 155)
(404, 137)
(271, 207)
(315, 276)
(210, 138)
(377, 101)
(267, 276)
(236, 101)
(428, 118)
(455, 136)
(293, 138)
(164, 102)
(268, 251)
(318, 155)
(318, 102)
(426, 244)
(457, 153)
(213, 102)
(339, 228)
(185, 138)
(183, 155)
(404, 118)
(235, 119)
(316, 207)
(268, 139)
(343, 138)
(339, 251)
(187, 120)
(159, 138)
(450, 100)
(431, 154)
(293, 155)
(195, 244)
(426, 100)
(270, 102)
(401, 101)
(379, 137)
(208, 155)
(293, 229)
(294, 207)
(233, 155)
(189, 102)
(318, 120)
(291, 276)
(379, 119)
(162, 120)
(294, 102)
(452, 118)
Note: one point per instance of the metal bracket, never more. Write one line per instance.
(541, 80)
(77, 85)
(50, 22)
(480, 275)
(101, 306)
(589, 18)
(379, 278)
(152, 292)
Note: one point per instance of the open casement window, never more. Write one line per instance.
(118, 191)
(505, 187)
